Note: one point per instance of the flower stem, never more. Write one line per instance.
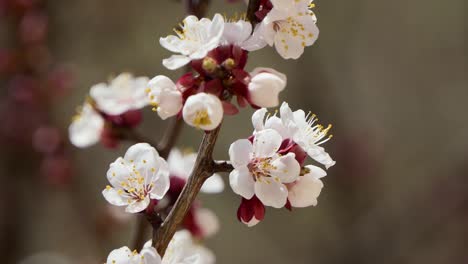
(164, 148)
(203, 169)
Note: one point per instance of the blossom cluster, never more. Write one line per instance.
(267, 169)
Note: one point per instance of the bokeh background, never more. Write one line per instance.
(391, 76)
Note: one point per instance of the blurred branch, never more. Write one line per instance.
(222, 166)
(203, 169)
(252, 8)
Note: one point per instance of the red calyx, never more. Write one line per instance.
(250, 208)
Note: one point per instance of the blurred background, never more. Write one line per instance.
(391, 76)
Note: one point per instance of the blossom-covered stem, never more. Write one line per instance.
(222, 166)
(164, 148)
(251, 9)
(203, 169)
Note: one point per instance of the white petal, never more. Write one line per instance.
(207, 221)
(288, 46)
(254, 221)
(118, 171)
(160, 181)
(119, 256)
(203, 111)
(320, 155)
(213, 184)
(236, 33)
(86, 129)
(275, 123)
(266, 143)
(307, 188)
(242, 182)
(139, 206)
(111, 195)
(240, 153)
(265, 87)
(175, 62)
(287, 169)
(149, 255)
(257, 119)
(144, 157)
(171, 43)
(271, 193)
(255, 42)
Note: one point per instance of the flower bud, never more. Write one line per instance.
(209, 65)
(265, 86)
(164, 96)
(251, 212)
(203, 111)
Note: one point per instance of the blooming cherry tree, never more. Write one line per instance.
(267, 168)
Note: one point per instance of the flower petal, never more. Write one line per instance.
(160, 181)
(307, 188)
(242, 182)
(271, 193)
(149, 255)
(119, 256)
(112, 196)
(176, 61)
(139, 206)
(266, 143)
(143, 157)
(213, 184)
(287, 169)
(257, 119)
(240, 153)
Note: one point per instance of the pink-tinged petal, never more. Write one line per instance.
(271, 193)
(287, 169)
(240, 153)
(251, 212)
(266, 143)
(265, 33)
(176, 61)
(112, 196)
(139, 206)
(257, 119)
(119, 256)
(305, 191)
(242, 182)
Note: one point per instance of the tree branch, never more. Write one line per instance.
(164, 148)
(222, 166)
(252, 8)
(203, 169)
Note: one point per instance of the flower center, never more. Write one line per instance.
(202, 118)
(261, 168)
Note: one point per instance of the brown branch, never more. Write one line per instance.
(252, 8)
(164, 148)
(222, 166)
(203, 169)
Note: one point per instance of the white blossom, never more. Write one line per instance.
(305, 190)
(299, 127)
(86, 127)
(290, 26)
(136, 178)
(164, 96)
(236, 33)
(193, 41)
(183, 249)
(181, 165)
(260, 170)
(265, 86)
(122, 94)
(124, 255)
(203, 111)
